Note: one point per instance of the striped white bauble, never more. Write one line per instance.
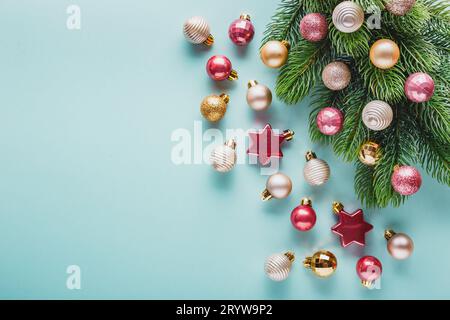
(316, 171)
(377, 115)
(223, 157)
(196, 30)
(279, 265)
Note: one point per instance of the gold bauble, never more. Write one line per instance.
(336, 75)
(369, 153)
(274, 54)
(323, 263)
(213, 107)
(384, 53)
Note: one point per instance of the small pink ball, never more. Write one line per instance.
(406, 180)
(314, 27)
(330, 121)
(303, 218)
(241, 31)
(419, 87)
(369, 268)
(219, 67)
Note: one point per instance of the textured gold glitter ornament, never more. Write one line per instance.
(196, 30)
(316, 171)
(369, 153)
(399, 7)
(278, 266)
(384, 54)
(223, 157)
(336, 75)
(274, 54)
(213, 107)
(323, 263)
(348, 16)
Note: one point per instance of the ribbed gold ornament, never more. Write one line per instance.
(213, 107)
(223, 157)
(196, 30)
(315, 171)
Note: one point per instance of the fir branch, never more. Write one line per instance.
(367, 4)
(410, 23)
(324, 7)
(355, 44)
(364, 184)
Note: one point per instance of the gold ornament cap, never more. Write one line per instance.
(244, 16)
(231, 143)
(209, 41)
(290, 255)
(368, 284)
(310, 155)
(225, 98)
(252, 83)
(286, 44)
(337, 207)
(266, 195)
(306, 202)
(233, 75)
(388, 234)
(288, 134)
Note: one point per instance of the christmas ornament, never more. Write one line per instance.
(278, 186)
(265, 143)
(384, 53)
(336, 76)
(303, 217)
(315, 171)
(259, 97)
(196, 30)
(279, 265)
(223, 157)
(322, 263)
(213, 107)
(274, 54)
(377, 115)
(419, 87)
(369, 270)
(314, 27)
(219, 68)
(406, 180)
(369, 153)
(399, 7)
(348, 16)
(399, 245)
(241, 31)
(330, 121)
(351, 228)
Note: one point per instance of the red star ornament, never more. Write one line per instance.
(351, 228)
(265, 143)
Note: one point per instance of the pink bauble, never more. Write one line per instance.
(241, 31)
(330, 121)
(314, 27)
(369, 268)
(219, 67)
(303, 218)
(406, 180)
(419, 87)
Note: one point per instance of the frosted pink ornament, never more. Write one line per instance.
(419, 87)
(314, 27)
(406, 180)
(330, 121)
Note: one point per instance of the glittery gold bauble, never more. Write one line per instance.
(213, 107)
(336, 76)
(369, 153)
(348, 16)
(384, 53)
(274, 54)
(399, 7)
(223, 157)
(316, 171)
(322, 263)
(377, 115)
(196, 30)
(278, 266)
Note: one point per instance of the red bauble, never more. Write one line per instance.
(219, 68)
(303, 217)
(330, 121)
(406, 180)
(351, 228)
(419, 87)
(314, 27)
(241, 31)
(265, 143)
(369, 268)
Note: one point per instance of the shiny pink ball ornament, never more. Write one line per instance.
(330, 121)
(241, 31)
(314, 27)
(303, 217)
(369, 270)
(219, 68)
(419, 87)
(406, 180)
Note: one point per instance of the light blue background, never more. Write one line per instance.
(86, 175)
